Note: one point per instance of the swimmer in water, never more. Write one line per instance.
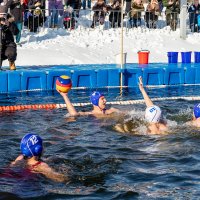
(153, 114)
(196, 116)
(98, 101)
(31, 148)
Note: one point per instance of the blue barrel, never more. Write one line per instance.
(186, 57)
(172, 57)
(197, 57)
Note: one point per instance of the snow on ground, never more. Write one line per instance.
(86, 46)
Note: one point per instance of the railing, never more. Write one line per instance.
(84, 19)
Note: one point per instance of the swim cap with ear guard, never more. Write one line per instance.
(153, 114)
(197, 110)
(94, 98)
(31, 145)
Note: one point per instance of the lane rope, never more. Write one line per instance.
(56, 106)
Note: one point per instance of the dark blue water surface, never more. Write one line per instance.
(101, 162)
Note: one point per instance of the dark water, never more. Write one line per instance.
(101, 162)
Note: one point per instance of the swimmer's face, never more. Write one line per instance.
(102, 102)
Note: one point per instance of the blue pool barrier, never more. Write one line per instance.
(130, 77)
(197, 57)
(45, 78)
(4, 82)
(14, 81)
(172, 57)
(197, 77)
(153, 76)
(31, 80)
(173, 76)
(84, 78)
(102, 77)
(113, 77)
(189, 75)
(186, 57)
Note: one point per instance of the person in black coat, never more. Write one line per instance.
(17, 8)
(8, 46)
(194, 11)
(36, 14)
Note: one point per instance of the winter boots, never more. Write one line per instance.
(12, 66)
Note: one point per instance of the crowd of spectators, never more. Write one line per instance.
(34, 13)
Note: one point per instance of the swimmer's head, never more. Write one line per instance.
(197, 110)
(94, 98)
(153, 114)
(31, 145)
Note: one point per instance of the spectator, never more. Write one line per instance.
(172, 11)
(152, 12)
(36, 14)
(75, 4)
(8, 50)
(115, 15)
(55, 9)
(127, 6)
(100, 11)
(88, 4)
(194, 11)
(68, 18)
(135, 15)
(17, 9)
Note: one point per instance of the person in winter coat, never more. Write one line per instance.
(8, 47)
(194, 12)
(135, 15)
(151, 15)
(75, 4)
(55, 9)
(36, 14)
(115, 14)
(172, 11)
(17, 8)
(100, 11)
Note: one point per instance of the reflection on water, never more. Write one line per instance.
(101, 162)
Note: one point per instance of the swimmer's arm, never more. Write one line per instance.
(147, 100)
(72, 111)
(51, 174)
(19, 158)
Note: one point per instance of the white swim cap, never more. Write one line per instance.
(153, 114)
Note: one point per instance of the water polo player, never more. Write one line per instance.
(98, 101)
(196, 116)
(31, 149)
(153, 114)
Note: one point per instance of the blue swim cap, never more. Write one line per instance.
(94, 98)
(197, 110)
(31, 145)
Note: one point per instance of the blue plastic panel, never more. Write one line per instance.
(197, 75)
(31, 80)
(53, 75)
(173, 76)
(113, 77)
(14, 81)
(85, 78)
(190, 75)
(102, 78)
(130, 77)
(4, 82)
(153, 76)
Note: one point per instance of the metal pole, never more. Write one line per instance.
(0, 45)
(121, 44)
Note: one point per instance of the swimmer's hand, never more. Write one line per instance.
(62, 93)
